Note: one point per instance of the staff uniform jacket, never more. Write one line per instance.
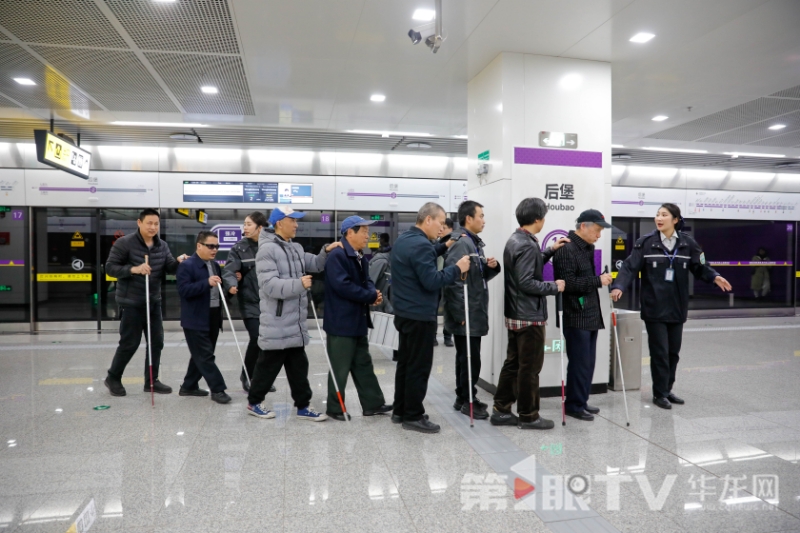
(478, 275)
(525, 288)
(348, 293)
(574, 263)
(128, 252)
(242, 258)
(195, 293)
(661, 300)
(284, 302)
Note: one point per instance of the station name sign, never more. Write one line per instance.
(56, 152)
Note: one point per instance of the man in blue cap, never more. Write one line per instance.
(348, 294)
(282, 267)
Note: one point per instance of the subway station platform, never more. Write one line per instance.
(727, 460)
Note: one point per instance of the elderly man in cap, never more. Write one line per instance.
(349, 292)
(583, 315)
(282, 268)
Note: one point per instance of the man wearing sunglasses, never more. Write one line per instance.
(201, 317)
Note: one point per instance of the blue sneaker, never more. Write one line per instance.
(260, 411)
(310, 414)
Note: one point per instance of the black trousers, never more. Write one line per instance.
(132, 323)
(251, 355)
(664, 340)
(268, 366)
(581, 355)
(519, 377)
(414, 363)
(462, 369)
(446, 333)
(202, 363)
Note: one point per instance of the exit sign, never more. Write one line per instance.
(376, 217)
(5, 288)
(483, 156)
(4, 209)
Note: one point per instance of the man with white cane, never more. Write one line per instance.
(138, 295)
(199, 278)
(466, 306)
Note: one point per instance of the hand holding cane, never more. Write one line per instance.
(149, 338)
(619, 355)
(235, 339)
(469, 352)
(560, 326)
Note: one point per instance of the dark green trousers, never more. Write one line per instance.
(350, 355)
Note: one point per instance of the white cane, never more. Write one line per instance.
(619, 361)
(560, 326)
(327, 357)
(469, 352)
(149, 338)
(235, 338)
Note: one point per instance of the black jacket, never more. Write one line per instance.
(661, 300)
(478, 275)
(525, 288)
(380, 272)
(574, 263)
(129, 251)
(195, 293)
(348, 293)
(242, 258)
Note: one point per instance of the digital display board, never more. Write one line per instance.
(54, 151)
(238, 192)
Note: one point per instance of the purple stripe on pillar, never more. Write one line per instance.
(557, 158)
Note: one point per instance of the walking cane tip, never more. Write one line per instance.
(563, 423)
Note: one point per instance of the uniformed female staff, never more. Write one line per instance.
(239, 277)
(664, 258)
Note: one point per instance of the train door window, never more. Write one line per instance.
(14, 267)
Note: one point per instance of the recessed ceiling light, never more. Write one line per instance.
(777, 127)
(392, 133)
(164, 1)
(752, 154)
(209, 89)
(659, 118)
(25, 81)
(378, 97)
(425, 15)
(419, 146)
(641, 37)
(679, 150)
(461, 136)
(617, 146)
(165, 124)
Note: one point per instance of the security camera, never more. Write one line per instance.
(415, 36)
(434, 42)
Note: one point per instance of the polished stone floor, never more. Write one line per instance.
(725, 461)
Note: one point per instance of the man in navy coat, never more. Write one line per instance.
(348, 294)
(201, 317)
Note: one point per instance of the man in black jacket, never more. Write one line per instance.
(447, 233)
(526, 318)
(583, 317)
(481, 271)
(126, 262)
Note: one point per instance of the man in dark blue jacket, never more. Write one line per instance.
(201, 317)
(416, 285)
(348, 294)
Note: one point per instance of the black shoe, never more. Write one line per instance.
(478, 413)
(158, 388)
(539, 423)
(503, 419)
(192, 392)
(423, 426)
(397, 419)
(591, 409)
(436, 342)
(115, 387)
(220, 397)
(448, 341)
(339, 416)
(245, 385)
(581, 415)
(662, 403)
(674, 399)
(273, 389)
(382, 410)
(458, 404)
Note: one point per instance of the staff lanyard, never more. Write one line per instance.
(674, 254)
(480, 258)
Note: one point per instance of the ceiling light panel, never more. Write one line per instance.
(54, 22)
(377, 97)
(209, 89)
(204, 26)
(25, 81)
(183, 73)
(642, 37)
(116, 79)
(677, 150)
(659, 118)
(424, 15)
(752, 154)
(777, 127)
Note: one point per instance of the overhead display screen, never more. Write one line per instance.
(237, 192)
(57, 152)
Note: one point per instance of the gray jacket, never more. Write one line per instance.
(242, 259)
(284, 301)
(380, 272)
(478, 276)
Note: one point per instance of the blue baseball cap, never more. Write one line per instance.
(279, 213)
(353, 221)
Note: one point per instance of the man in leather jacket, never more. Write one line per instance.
(525, 319)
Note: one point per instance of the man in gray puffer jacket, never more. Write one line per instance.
(282, 267)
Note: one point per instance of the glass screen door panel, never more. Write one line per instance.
(14, 265)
